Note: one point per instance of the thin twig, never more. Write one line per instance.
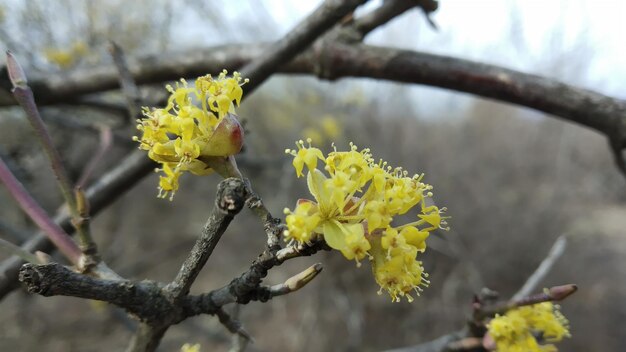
(24, 96)
(556, 293)
(12, 249)
(106, 136)
(389, 10)
(557, 250)
(39, 216)
(328, 14)
(232, 324)
(246, 287)
(127, 82)
(272, 226)
(103, 192)
(18, 235)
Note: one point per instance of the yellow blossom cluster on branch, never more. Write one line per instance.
(197, 126)
(66, 58)
(516, 330)
(356, 201)
(190, 348)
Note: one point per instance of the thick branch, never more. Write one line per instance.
(143, 299)
(602, 113)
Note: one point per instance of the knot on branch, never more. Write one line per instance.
(231, 195)
(32, 276)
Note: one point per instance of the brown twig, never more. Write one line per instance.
(389, 10)
(24, 96)
(104, 191)
(39, 216)
(553, 294)
(273, 227)
(106, 136)
(127, 82)
(328, 14)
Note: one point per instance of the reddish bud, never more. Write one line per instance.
(227, 138)
(559, 293)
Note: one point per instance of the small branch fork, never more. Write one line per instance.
(159, 306)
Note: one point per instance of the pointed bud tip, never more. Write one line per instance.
(15, 71)
(559, 293)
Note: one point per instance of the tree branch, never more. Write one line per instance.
(329, 13)
(231, 196)
(557, 250)
(247, 287)
(127, 83)
(389, 10)
(103, 192)
(588, 108)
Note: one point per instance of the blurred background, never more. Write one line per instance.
(513, 179)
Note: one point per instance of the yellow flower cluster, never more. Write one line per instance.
(184, 137)
(190, 348)
(328, 128)
(66, 58)
(516, 330)
(355, 204)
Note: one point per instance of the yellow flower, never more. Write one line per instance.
(516, 330)
(355, 203)
(308, 156)
(62, 58)
(190, 348)
(331, 127)
(66, 58)
(186, 137)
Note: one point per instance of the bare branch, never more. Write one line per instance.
(329, 13)
(245, 288)
(39, 216)
(556, 293)
(104, 191)
(127, 82)
(599, 112)
(272, 226)
(106, 136)
(232, 324)
(12, 249)
(389, 10)
(557, 250)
